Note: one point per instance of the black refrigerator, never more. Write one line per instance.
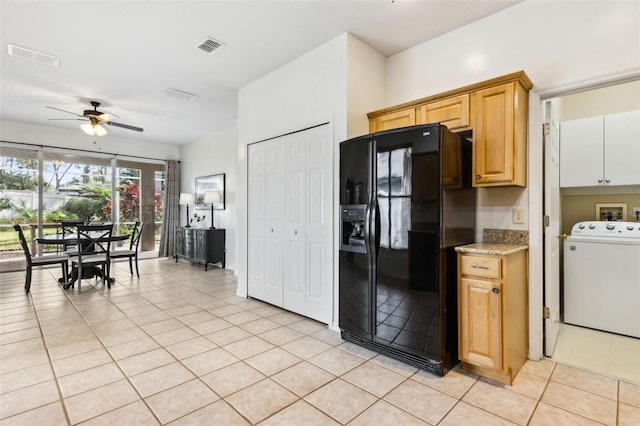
(406, 202)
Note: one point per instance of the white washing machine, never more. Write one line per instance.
(602, 276)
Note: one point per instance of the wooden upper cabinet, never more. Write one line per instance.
(494, 110)
(499, 136)
(451, 112)
(393, 120)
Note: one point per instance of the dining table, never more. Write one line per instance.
(72, 239)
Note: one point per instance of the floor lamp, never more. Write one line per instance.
(212, 197)
(187, 198)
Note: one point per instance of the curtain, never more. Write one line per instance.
(171, 216)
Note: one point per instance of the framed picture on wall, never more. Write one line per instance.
(210, 190)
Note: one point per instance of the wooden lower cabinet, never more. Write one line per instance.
(492, 313)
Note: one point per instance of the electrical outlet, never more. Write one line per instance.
(636, 212)
(518, 216)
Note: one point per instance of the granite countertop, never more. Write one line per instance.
(493, 249)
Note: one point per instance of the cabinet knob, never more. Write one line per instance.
(477, 176)
(295, 232)
(271, 229)
(495, 290)
(607, 180)
(599, 180)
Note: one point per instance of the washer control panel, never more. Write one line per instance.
(608, 229)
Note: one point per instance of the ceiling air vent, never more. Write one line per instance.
(210, 46)
(32, 55)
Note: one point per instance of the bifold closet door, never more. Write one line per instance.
(265, 211)
(290, 226)
(308, 256)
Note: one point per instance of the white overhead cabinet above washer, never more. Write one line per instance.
(600, 151)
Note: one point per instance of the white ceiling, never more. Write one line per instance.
(124, 54)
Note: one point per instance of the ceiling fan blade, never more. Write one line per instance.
(124, 126)
(68, 112)
(67, 119)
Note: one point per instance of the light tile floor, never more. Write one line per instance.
(178, 347)
(598, 351)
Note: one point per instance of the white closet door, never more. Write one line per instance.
(274, 198)
(295, 200)
(256, 226)
(319, 224)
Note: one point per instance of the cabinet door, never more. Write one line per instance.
(480, 323)
(452, 112)
(581, 150)
(180, 242)
(622, 148)
(393, 120)
(200, 249)
(499, 136)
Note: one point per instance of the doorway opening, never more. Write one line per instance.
(599, 351)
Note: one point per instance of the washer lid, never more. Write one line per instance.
(607, 229)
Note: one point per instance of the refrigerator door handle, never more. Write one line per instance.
(367, 229)
(375, 229)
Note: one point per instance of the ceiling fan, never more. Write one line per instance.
(95, 120)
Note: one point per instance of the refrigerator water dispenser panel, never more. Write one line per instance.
(352, 217)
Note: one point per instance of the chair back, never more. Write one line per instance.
(94, 239)
(69, 226)
(23, 243)
(135, 236)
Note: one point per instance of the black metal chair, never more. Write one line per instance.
(94, 244)
(132, 253)
(61, 259)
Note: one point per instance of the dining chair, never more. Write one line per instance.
(94, 243)
(69, 227)
(62, 259)
(132, 253)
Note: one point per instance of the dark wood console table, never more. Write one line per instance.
(199, 245)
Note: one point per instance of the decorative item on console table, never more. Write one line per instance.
(202, 246)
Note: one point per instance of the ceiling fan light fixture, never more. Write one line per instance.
(93, 129)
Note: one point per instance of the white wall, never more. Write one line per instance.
(606, 100)
(212, 155)
(18, 131)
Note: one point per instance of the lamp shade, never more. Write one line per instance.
(211, 197)
(187, 198)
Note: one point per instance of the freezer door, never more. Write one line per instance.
(355, 291)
